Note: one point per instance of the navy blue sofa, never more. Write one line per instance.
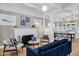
(57, 48)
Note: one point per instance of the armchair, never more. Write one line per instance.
(11, 45)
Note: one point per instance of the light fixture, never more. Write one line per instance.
(44, 8)
(37, 24)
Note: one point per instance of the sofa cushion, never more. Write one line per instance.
(49, 52)
(52, 45)
(60, 42)
(56, 51)
(36, 50)
(46, 47)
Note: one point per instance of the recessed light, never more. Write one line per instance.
(44, 8)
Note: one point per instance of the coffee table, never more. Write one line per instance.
(33, 43)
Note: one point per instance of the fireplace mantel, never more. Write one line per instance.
(25, 31)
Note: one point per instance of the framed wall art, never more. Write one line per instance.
(8, 20)
(25, 21)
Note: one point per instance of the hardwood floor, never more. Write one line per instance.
(75, 50)
(75, 47)
(13, 53)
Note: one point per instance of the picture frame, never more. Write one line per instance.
(25, 21)
(8, 20)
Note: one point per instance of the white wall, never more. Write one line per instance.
(6, 32)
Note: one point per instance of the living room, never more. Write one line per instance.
(39, 26)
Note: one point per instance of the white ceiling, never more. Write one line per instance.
(52, 7)
(37, 7)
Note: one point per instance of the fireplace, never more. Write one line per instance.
(26, 38)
